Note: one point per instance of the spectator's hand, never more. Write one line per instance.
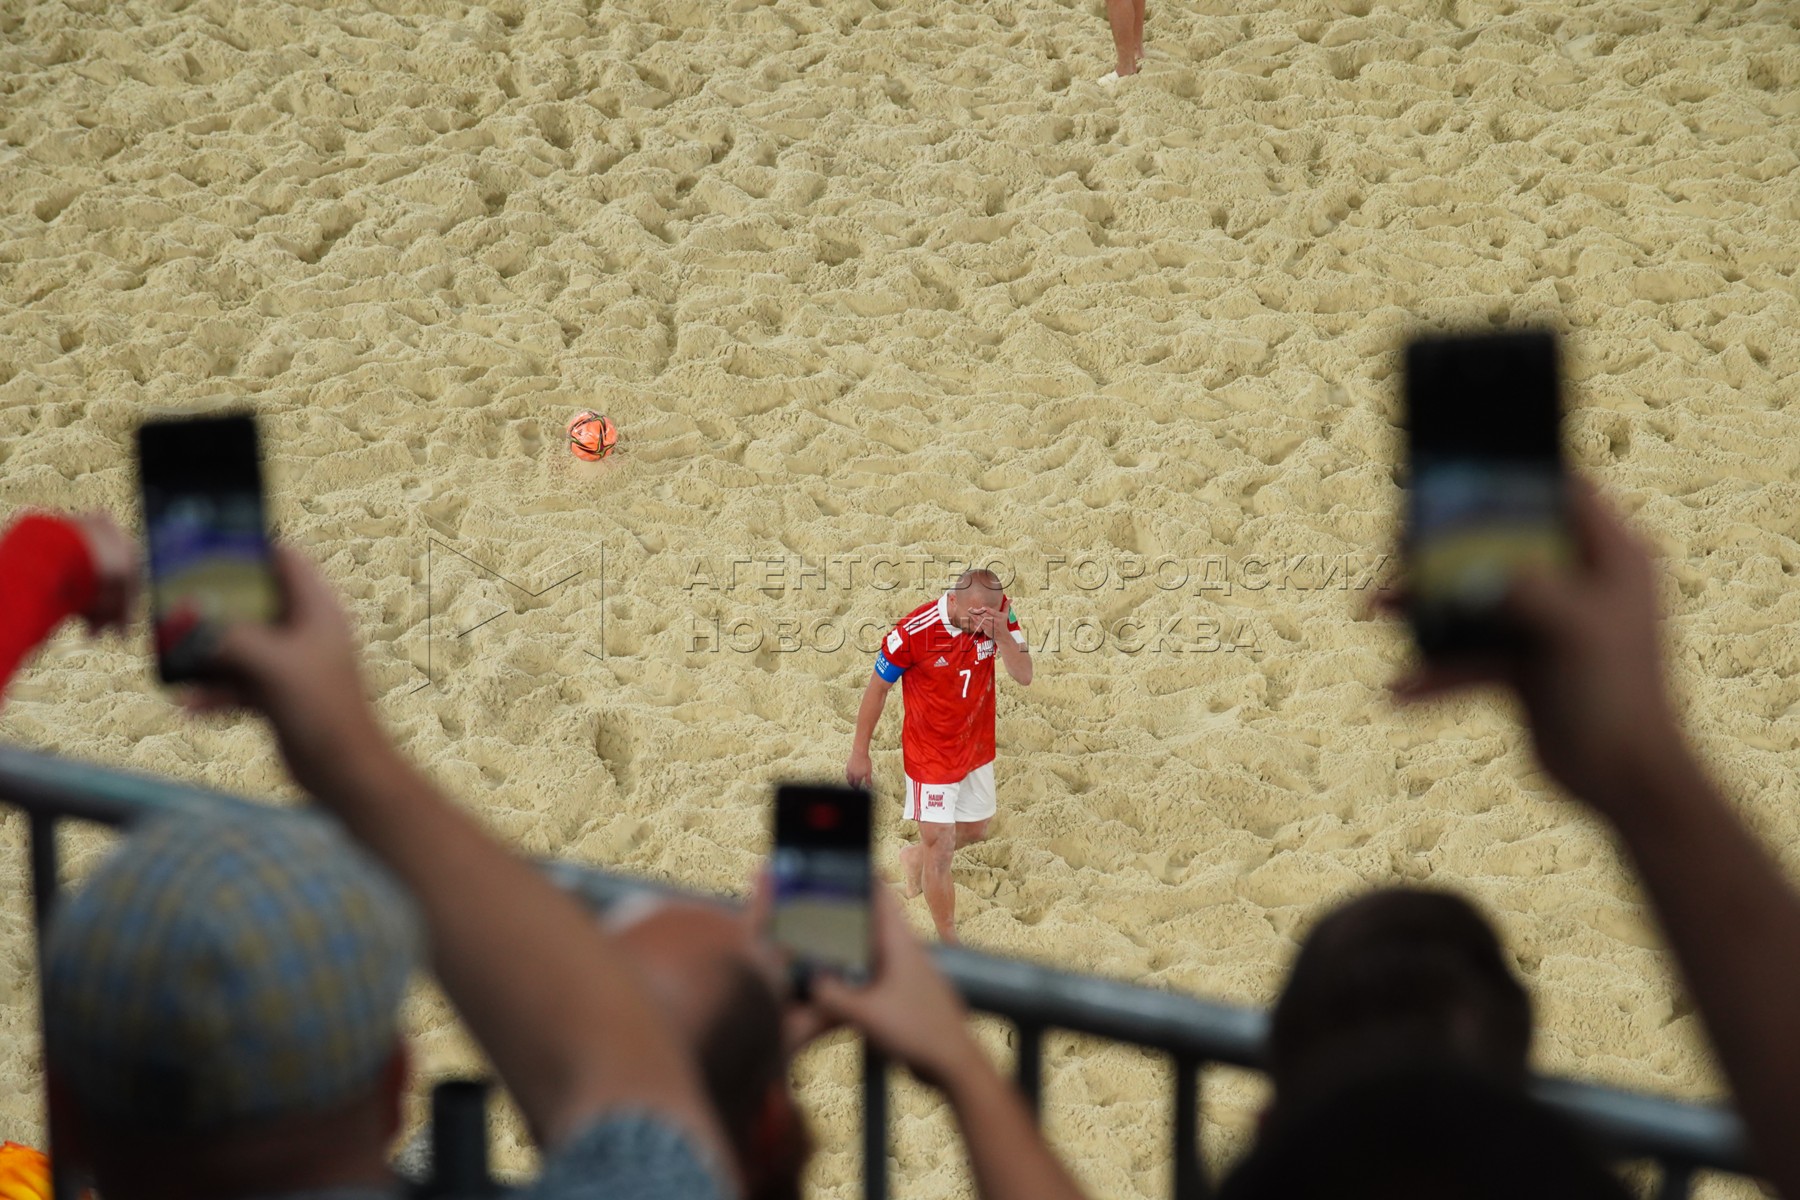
(301, 674)
(115, 558)
(910, 1011)
(859, 771)
(802, 1022)
(1593, 685)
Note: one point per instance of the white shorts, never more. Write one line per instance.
(970, 800)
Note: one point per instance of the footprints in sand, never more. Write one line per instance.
(332, 227)
(614, 746)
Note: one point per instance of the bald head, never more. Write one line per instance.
(981, 585)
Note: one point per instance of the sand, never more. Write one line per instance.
(871, 279)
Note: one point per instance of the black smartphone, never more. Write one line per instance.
(821, 912)
(207, 542)
(1487, 489)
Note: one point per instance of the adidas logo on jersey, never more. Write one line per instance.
(941, 662)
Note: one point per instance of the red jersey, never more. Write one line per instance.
(947, 681)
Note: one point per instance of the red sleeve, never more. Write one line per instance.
(897, 648)
(1012, 620)
(48, 577)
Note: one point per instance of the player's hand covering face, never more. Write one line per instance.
(989, 622)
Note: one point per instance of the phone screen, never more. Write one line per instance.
(822, 878)
(208, 545)
(1487, 493)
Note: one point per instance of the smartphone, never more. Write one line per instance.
(821, 912)
(206, 539)
(1487, 490)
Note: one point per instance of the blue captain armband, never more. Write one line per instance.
(887, 670)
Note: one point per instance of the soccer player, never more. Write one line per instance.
(944, 652)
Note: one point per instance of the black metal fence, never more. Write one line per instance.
(1680, 1138)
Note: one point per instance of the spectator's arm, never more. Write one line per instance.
(563, 1016)
(570, 1027)
(1006, 1151)
(49, 577)
(1602, 725)
(913, 1015)
(1734, 923)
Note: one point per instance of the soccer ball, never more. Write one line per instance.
(591, 436)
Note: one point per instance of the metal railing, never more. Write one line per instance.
(1681, 1138)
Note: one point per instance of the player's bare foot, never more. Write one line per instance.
(910, 867)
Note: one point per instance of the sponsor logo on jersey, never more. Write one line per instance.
(983, 651)
(893, 640)
(941, 662)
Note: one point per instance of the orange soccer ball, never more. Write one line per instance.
(591, 436)
(24, 1173)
